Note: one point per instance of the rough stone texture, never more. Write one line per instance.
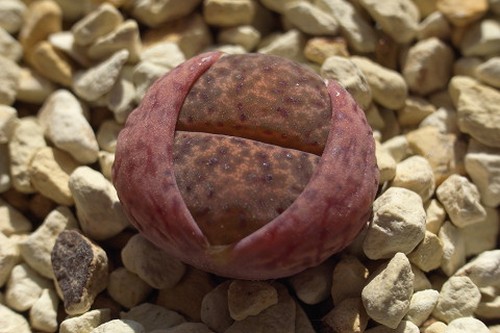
(353, 25)
(489, 72)
(107, 135)
(415, 110)
(32, 87)
(482, 236)
(313, 285)
(249, 298)
(151, 264)
(125, 37)
(403, 327)
(279, 318)
(37, 247)
(63, 118)
(318, 49)
(453, 248)
(462, 12)
(398, 147)
(434, 25)
(121, 98)
(484, 270)
(289, 45)
(13, 322)
(428, 66)
(126, 288)
(421, 306)
(482, 164)
(347, 316)
(80, 270)
(398, 224)
(415, 173)
(119, 325)
(153, 317)
(8, 122)
(444, 119)
(385, 163)
(350, 77)
(106, 161)
(387, 296)
(310, 19)
(97, 205)
(52, 64)
(461, 199)
(49, 170)
(244, 35)
(215, 308)
(96, 81)
(43, 313)
(428, 253)
(444, 151)
(24, 287)
(9, 77)
(166, 54)
(481, 39)
(97, 23)
(476, 105)
(9, 257)
(224, 13)
(86, 322)
(399, 19)
(388, 87)
(348, 279)
(12, 221)
(187, 295)
(489, 307)
(459, 297)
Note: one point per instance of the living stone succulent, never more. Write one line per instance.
(248, 166)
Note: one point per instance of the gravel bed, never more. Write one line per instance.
(427, 75)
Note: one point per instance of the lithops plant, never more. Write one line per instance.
(247, 166)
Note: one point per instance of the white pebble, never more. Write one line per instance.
(428, 254)
(32, 87)
(416, 174)
(421, 306)
(310, 19)
(484, 270)
(289, 45)
(9, 46)
(482, 236)
(435, 215)
(398, 224)
(459, 297)
(387, 296)
(489, 72)
(9, 257)
(8, 122)
(126, 288)
(461, 200)
(43, 313)
(453, 248)
(152, 316)
(12, 221)
(85, 322)
(119, 325)
(12, 14)
(13, 322)
(481, 38)
(95, 82)
(467, 325)
(64, 123)
(97, 205)
(125, 37)
(121, 98)
(99, 22)
(24, 287)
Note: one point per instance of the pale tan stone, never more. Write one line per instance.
(348, 279)
(26, 140)
(187, 295)
(489, 72)
(8, 122)
(310, 19)
(244, 35)
(32, 87)
(215, 308)
(24, 287)
(12, 15)
(385, 163)
(313, 285)
(126, 288)
(11, 321)
(289, 45)
(398, 224)
(119, 325)
(388, 87)
(428, 66)
(436, 327)
(153, 13)
(387, 296)
(125, 37)
(106, 161)
(435, 215)
(399, 19)
(483, 270)
(43, 313)
(52, 64)
(414, 111)
(415, 173)
(50, 169)
(482, 236)
(481, 38)
(64, 41)
(421, 305)
(9, 78)
(459, 297)
(462, 12)
(444, 151)
(466, 66)
(86, 322)
(434, 25)
(444, 119)
(453, 248)
(12, 221)
(9, 257)
(461, 200)
(249, 298)
(9, 46)
(228, 13)
(428, 253)
(153, 316)
(347, 316)
(42, 19)
(374, 118)
(97, 23)
(318, 49)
